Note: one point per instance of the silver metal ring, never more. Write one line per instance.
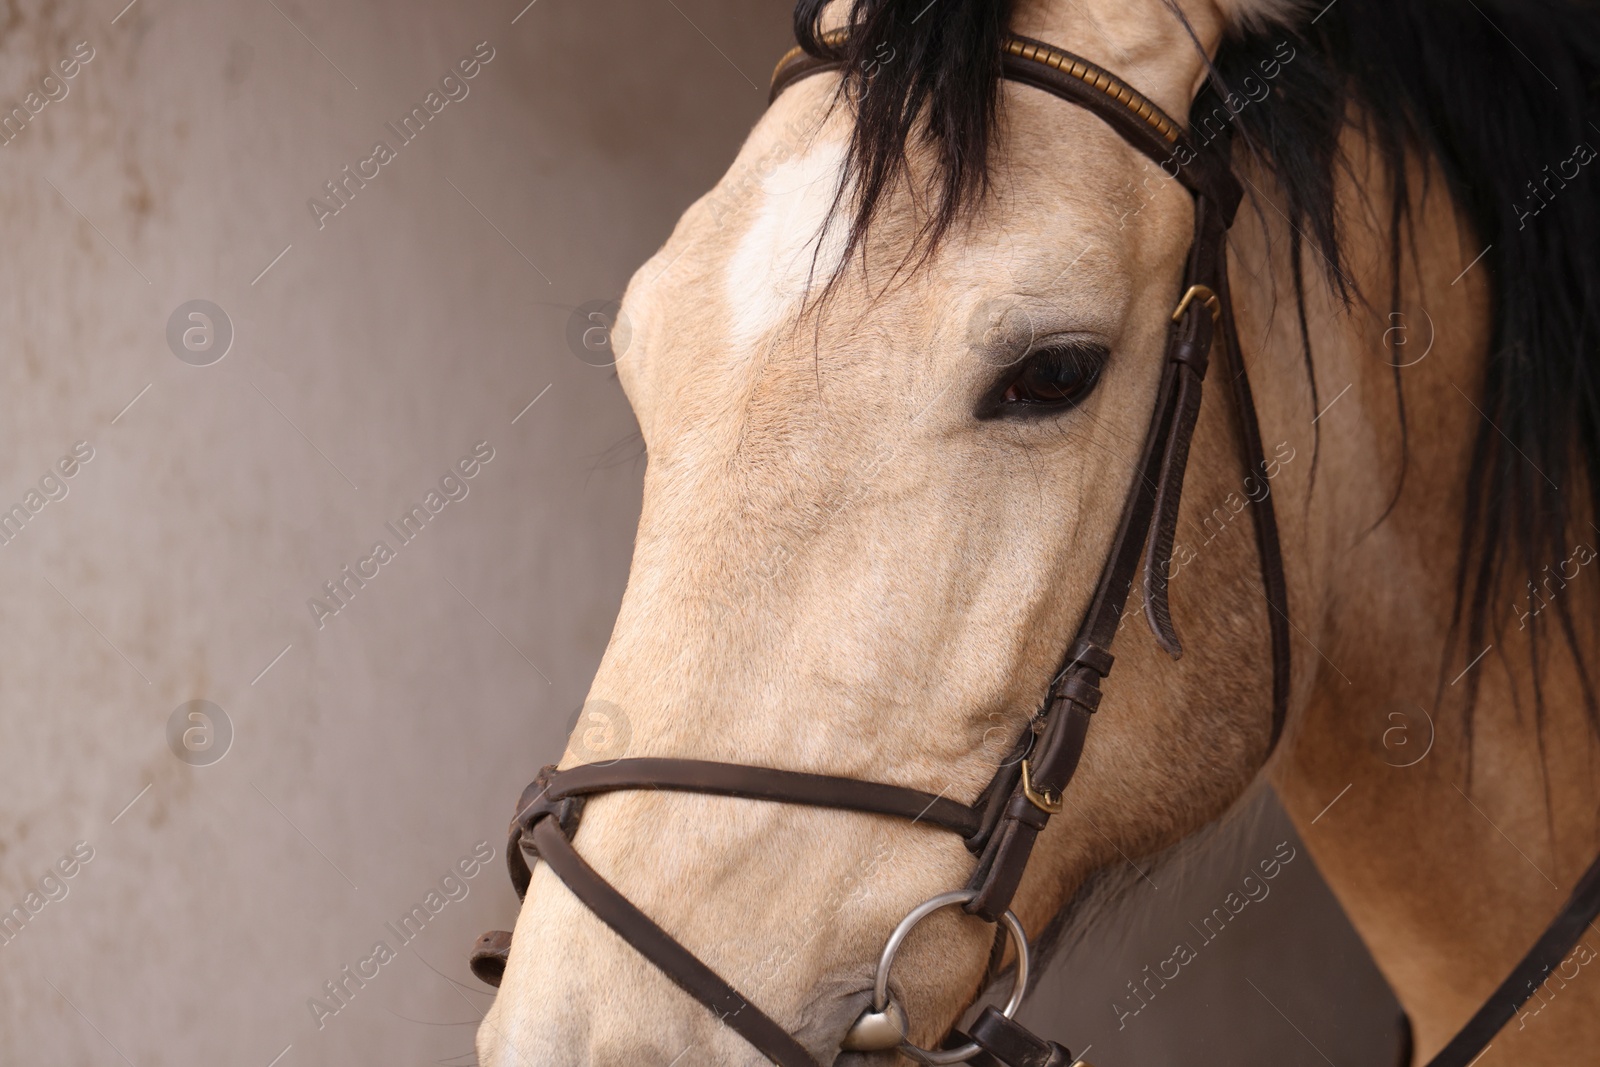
(880, 988)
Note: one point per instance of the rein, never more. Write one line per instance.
(999, 829)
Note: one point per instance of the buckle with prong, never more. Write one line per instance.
(1041, 798)
(1205, 295)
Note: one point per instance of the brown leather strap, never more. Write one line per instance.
(1070, 77)
(1553, 946)
(765, 783)
(1263, 514)
(1005, 857)
(488, 957)
(661, 949)
(562, 793)
(1144, 535)
(1134, 116)
(797, 63)
(1188, 357)
(1009, 1044)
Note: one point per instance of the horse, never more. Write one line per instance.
(893, 375)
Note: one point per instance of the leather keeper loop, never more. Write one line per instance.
(1092, 656)
(1193, 353)
(1193, 332)
(1027, 812)
(1012, 1044)
(1080, 687)
(1000, 870)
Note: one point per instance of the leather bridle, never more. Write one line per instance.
(1001, 826)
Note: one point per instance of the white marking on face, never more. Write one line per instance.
(767, 275)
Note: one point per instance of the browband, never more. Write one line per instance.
(1134, 116)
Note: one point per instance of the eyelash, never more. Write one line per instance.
(1050, 380)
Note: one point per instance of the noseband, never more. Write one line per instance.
(1001, 826)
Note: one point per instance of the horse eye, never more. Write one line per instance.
(1056, 377)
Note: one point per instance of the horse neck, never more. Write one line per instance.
(1450, 835)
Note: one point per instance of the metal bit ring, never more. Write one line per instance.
(880, 989)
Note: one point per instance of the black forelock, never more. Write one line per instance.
(1498, 93)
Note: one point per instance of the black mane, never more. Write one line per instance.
(1499, 92)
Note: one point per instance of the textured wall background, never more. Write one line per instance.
(372, 349)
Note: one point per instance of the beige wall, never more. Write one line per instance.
(389, 739)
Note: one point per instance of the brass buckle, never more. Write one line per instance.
(1040, 799)
(1204, 294)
